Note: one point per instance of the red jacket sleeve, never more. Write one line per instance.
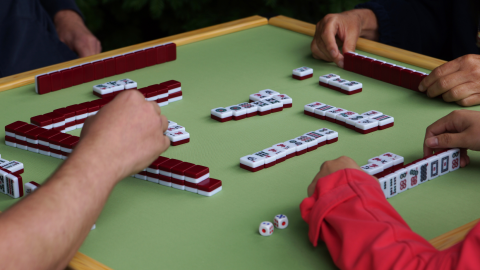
(349, 212)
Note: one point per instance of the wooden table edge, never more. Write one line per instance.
(366, 45)
(28, 77)
(454, 236)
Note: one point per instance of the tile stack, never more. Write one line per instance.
(336, 83)
(364, 123)
(110, 66)
(262, 103)
(383, 71)
(291, 148)
(395, 177)
(11, 182)
(181, 175)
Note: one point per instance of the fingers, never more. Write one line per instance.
(460, 92)
(349, 44)
(471, 100)
(330, 47)
(446, 83)
(319, 51)
(439, 72)
(464, 158)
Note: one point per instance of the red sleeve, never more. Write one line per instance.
(349, 212)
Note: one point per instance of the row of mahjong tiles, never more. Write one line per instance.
(383, 71)
(162, 93)
(363, 123)
(181, 175)
(110, 66)
(291, 148)
(262, 103)
(11, 182)
(395, 177)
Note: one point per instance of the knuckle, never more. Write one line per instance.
(438, 72)
(443, 83)
(446, 139)
(470, 58)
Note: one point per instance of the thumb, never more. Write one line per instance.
(348, 46)
(446, 140)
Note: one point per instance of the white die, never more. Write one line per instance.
(280, 221)
(266, 228)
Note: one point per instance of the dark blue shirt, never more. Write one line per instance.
(28, 38)
(445, 29)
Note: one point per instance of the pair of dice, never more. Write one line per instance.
(266, 227)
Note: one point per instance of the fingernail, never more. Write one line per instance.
(421, 88)
(333, 52)
(340, 63)
(432, 142)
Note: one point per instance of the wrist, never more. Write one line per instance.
(65, 15)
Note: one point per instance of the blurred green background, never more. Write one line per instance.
(119, 23)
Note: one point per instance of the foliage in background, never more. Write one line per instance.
(119, 23)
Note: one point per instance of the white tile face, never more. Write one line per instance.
(338, 82)
(310, 141)
(299, 146)
(433, 167)
(322, 110)
(413, 172)
(164, 183)
(402, 180)
(171, 123)
(252, 161)
(454, 159)
(276, 151)
(444, 163)
(115, 86)
(221, 112)
(384, 186)
(262, 106)
(351, 86)
(366, 124)
(197, 180)
(328, 77)
(268, 92)
(268, 158)
(393, 184)
(319, 137)
(302, 71)
(153, 180)
(178, 135)
(383, 119)
(310, 107)
(13, 186)
(287, 148)
(372, 168)
(3, 182)
(345, 115)
(189, 189)
(265, 228)
(178, 186)
(257, 97)
(331, 134)
(397, 158)
(13, 166)
(285, 99)
(353, 120)
(175, 128)
(103, 89)
(129, 84)
(250, 107)
(334, 112)
(371, 114)
(175, 99)
(274, 103)
(387, 163)
(29, 188)
(280, 221)
(237, 110)
(423, 171)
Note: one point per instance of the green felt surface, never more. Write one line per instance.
(149, 226)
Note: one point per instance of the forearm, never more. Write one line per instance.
(52, 222)
(349, 212)
(369, 24)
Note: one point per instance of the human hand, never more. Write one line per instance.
(457, 81)
(72, 31)
(329, 167)
(459, 129)
(125, 136)
(342, 28)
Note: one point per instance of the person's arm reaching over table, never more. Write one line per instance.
(45, 229)
(70, 27)
(348, 211)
